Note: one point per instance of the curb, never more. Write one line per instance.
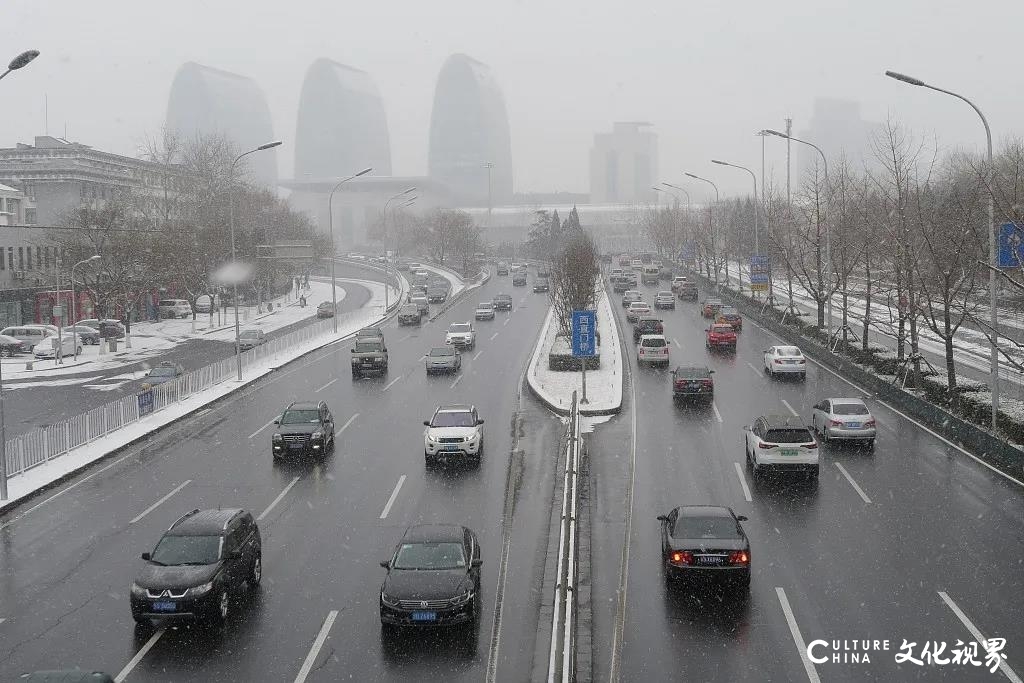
(10, 505)
(458, 297)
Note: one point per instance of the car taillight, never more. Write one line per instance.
(800, 362)
(681, 557)
(740, 557)
(836, 423)
(641, 350)
(812, 445)
(765, 445)
(869, 423)
(707, 383)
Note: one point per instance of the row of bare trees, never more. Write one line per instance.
(448, 236)
(899, 246)
(172, 233)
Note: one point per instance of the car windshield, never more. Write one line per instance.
(453, 418)
(301, 416)
(487, 305)
(162, 371)
(442, 351)
(705, 527)
(368, 345)
(726, 310)
(430, 556)
(789, 351)
(459, 327)
(790, 435)
(657, 342)
(849, 409)
(721, 329)
(177, 550)
(665, 295)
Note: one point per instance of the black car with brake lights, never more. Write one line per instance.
(502, 302)
(433, 578)
(198, 565)
(304, 428)
(705, 542)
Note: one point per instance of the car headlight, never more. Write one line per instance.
(355, 361)
(277, 438)
(203, 589)
(138, 590)
(463, 598)
(318, 435)
(388, 600)
(430, 438)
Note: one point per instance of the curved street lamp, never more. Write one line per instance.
(20, 61)
(681, 189)
(334, 251)
(757, 229)
(74, 321)
(718, 198)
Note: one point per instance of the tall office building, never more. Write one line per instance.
(837, 127)
(209, 101)
(469, 133)
(623, 164)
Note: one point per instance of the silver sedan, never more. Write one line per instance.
(844, 419)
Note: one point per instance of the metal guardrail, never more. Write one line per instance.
(562, 656)
(41, 445)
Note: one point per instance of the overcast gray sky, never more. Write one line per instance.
(707, 75)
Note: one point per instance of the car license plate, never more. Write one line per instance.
(787, 451)
(853, 425)
(164, 606)
(450, 447)
(295, 446)
(709, 559)
(424, 616)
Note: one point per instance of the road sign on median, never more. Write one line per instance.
(760, 269)
(584, 328)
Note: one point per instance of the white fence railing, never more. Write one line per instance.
(43, 444)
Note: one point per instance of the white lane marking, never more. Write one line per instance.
(477, 354)
(718, 415)
(457, 380)
(317, 391)
(119, 678)
(860, 492)
(277, 500)
(263, 427)
(423, 357)
(2, 620)
(394, 496)
(751, 366)
(391, 383)
(204, 411)
(620, 617)
(493, 336)
(314, 651)
(157, 504)
(946, 441)
(1007, 671)
(405, 337)
(812, 673)
(743, 482)
(506, 321)
(676, 342)
(867, 394)
(790, 408)
(345, 426)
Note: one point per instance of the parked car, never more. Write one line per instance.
(647, 326)
(325, 309)
(629, 296)
(720, 336)
(636, 310)
(665, 299)
(207, 304)
(705, 542)
(785, 360)
(693, 383)
(164, 372)
(652, 349)
(305, 428)
(251, 338)
(711, 307)
(71, 344)
(174, 308)
(503, 302)
(730, 316)
(409, 314)
(29, 335)
(781, 442)
(10, 347)
(461, 335)
(844, 419)
(88, 334)
(443, 359)
(199, 564)
(484, 311)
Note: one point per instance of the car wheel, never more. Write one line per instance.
(428, 459)
(813, 474)
(871, 445)
(222, 607)
(256, 572)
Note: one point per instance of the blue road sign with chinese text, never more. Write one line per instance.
(760, 268)
(145, 402)
(584, 330)
(1011, 245)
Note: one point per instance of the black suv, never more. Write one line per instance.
(205, 557)
(503, 302)
(647, 326)
(693, 383)
(304, 428)
(433, 578)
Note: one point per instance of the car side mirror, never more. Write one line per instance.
(352, 350)
(385, 563)
(426, 423)
(711, 372)
(662, 518)
(746, 428)
(476, 563)
(479, 422)
(147, 556)
(741, 518)
(277, 421)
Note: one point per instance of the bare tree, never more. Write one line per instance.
(574, 276)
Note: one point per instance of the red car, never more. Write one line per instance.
(728, 315)
(721, 336)
(710, 308)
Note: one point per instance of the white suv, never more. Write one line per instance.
(453, 432)
(653, 348)
(175, 308)
(780, 442)
(461, 335)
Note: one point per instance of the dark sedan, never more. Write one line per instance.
(10, 347)
(705, 542)
(433, 578)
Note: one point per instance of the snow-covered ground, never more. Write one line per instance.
(153, 338)
(604, 386)
(37, 477)
(457, 283)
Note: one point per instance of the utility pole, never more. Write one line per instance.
(489, 166)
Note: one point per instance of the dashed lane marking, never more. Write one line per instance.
(494, 336)
(325, 386)
(794, 629)
(790, 408)
(277, 500)
(394, 496)
(163, 500)
(477, 354)
(1007, 671)
(263, 427)
(858, 489)
(718, 415)
(391, 383)
(314, 651)
(134, 662)
(457, 380)
(345, 426)
(743, 482)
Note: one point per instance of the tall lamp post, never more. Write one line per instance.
(489, 166)
(757, 220)
(681, 189)
(670, 193)
(711, 220)
(74, 320)
(334, 251)
(828, 229)
(231, 224)
(993, 249)
(387, 261)
(21, 60)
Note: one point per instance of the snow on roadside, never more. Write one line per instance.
(457, 283)
(604, 385)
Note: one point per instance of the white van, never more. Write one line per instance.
(175, 308)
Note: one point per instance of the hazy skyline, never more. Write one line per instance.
(707, 76)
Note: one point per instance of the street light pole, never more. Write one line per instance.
(21, 60)
(334, 250)
(231, 224)
(489, 166)
(74, 321)
(668, 192)
(712, 222)
(993, 247)
(387, 261)
(757, 222)
(681, 189)
(828, 229)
